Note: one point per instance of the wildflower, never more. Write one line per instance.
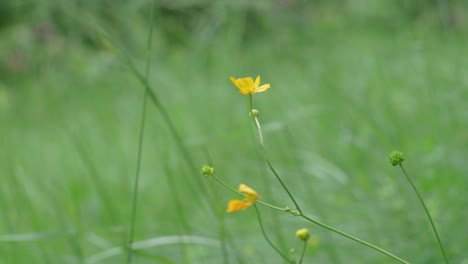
(248, 86)
(207, 171)
(250, 197)
(396, 157)
(303, 234)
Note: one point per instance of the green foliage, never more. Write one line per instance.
(347, 87)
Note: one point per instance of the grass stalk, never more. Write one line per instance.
(140, 141)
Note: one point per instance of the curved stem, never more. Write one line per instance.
(427, 212)
(360, 241)
(266, 236)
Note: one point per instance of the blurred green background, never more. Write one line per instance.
(351, 81)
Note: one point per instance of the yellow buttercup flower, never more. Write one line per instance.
(250, 197)
(248, 86)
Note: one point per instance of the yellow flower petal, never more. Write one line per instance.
(246, 189)
(233, 80)
(250, 197)
(257, 81)
(248, 86)
(243, 84)
(262, 88)
(250, 194)
(236, 205)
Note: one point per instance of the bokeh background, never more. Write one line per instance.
(351, 81)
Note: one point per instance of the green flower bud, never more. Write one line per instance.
(303, 234)
(254, 113)
(207, 171)
(292, 251)
(292, 255)
(396, 157)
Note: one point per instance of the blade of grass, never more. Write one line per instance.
(94, 176)
(152, 243)
(24, 201)
(141, 138)
(181, 215)
(74, 241)
(182, 148)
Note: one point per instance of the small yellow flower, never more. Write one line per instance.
(250, 197)
(248, 86)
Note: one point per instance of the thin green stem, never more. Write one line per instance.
(303, 252)
(427, 212)
(259, 217)
(360, 241)
(136, 182)
(271, 206)
(255, 120)
(227, 186)
(140, 143)
(282, 184)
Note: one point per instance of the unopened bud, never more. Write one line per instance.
(207, 171)
(303, 234)
(396, 157)
(254, 113)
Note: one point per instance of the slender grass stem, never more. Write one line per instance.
(259, 217)
(136, 182)
(360, 241)
(427, 212)
(303, 252)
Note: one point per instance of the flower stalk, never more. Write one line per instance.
(434, 229)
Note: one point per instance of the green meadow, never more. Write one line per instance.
(351, 81)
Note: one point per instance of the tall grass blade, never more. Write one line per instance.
(140, 139)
